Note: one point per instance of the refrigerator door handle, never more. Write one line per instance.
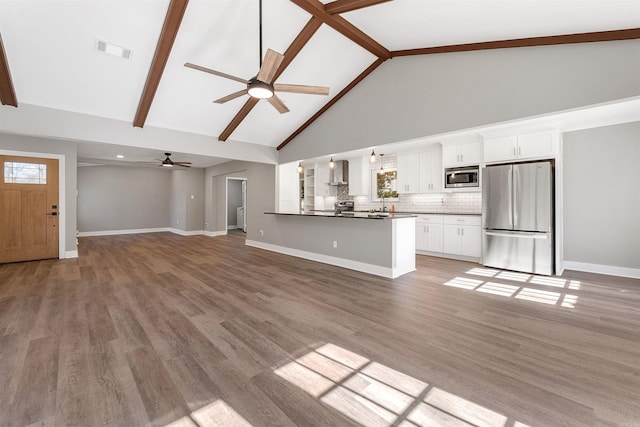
(510, 192)
(538, 236)
(515, 197)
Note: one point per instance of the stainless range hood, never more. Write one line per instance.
(339, 175)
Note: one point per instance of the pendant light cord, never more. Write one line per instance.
(260, 53)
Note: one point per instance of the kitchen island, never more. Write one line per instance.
(371, 243)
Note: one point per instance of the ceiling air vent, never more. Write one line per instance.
(112, 49)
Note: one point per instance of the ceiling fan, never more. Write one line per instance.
(261, 86)
(168, 163)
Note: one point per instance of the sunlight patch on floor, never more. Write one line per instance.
(464, 283)
(216, 413)
(373, 394)
(518, 290)
(498, 289)
(537, 295)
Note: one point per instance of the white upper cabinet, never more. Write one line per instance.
(359, 170)
(461, 154)
(537, 145)
(322, 186)
(419, 172)
(430, 172)
(408, 180)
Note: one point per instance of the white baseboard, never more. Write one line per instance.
(610, 270)
(71, 254)
(186, 233)
(140, 231)
(449, 256)
(232, 227)
(215, 233)
(377, 270)
(116, 232)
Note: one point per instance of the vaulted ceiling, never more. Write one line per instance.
(51, 60)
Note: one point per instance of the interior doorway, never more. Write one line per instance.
(236, 220)
(29, 207)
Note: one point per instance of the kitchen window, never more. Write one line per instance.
(383, 185)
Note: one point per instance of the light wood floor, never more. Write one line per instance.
(162, 329)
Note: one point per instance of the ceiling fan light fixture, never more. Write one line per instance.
(258, 89)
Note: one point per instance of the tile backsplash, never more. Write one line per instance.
(458, 202)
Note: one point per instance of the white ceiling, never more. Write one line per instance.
(50, 45)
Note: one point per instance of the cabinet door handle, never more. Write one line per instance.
(514, 151)
(519, 151)
(427, 228)
(458, 231)
(462, 231)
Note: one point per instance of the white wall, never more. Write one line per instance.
(426, 95)
(122, 198)
(601, 196)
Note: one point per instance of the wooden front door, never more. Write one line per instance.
(28, 209)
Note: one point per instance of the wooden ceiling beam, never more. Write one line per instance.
(344, 6)
(7, 92)
(170, 28)
(292, 51)
(344, 27)
(598, 36)
(335, 99)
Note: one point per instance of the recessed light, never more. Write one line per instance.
(120, 156)
(112, 49)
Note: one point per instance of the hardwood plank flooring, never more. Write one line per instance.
(159, 329)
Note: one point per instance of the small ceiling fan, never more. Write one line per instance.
(168, 163)
(261, 86)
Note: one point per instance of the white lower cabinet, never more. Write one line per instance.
(462, 235)
(455, 235)
(429, 233)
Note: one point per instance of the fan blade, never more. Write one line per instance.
(270, 64)
(214, 72)
(234, 95)
(311, 90)
(183, 164)
(278, 104)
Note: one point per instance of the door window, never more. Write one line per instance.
(25, 173)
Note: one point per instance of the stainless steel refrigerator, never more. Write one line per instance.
(517, 217)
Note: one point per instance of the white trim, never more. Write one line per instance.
(226, 200)
(62, 194)
(377, 270)
(215, 233)
(71, 254)
(187, 233)
(116, 232)
(611, 270)
(449, 256)
(232, 227)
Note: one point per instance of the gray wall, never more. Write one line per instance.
(50, 146)
(601, 196)
(234, 200)
(187, 199)
(427, 95)
(122, 198)
(261, 195)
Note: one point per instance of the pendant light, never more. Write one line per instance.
(300, 168)
(381, 171)
(372, 159)
(332, 164)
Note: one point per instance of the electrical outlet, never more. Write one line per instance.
(335, 244)
(261, 232)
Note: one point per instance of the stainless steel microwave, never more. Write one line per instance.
(462, 177)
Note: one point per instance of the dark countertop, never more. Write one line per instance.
(414, 212)
(354, 215)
